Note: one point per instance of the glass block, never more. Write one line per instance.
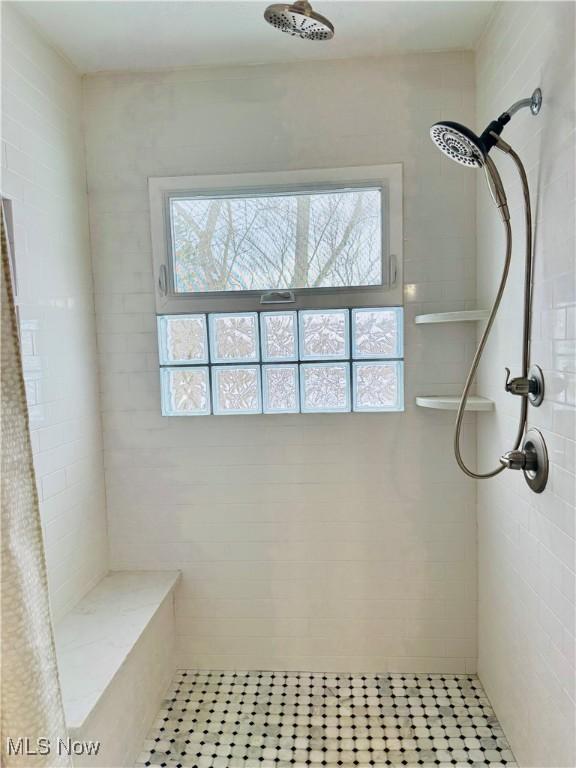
(378, 386)
(234, 337)
(325, 387)
(280, 389)
(377, 332)
(236, 389)
(182, 339)
(324, 334)
(279, 336)
(185, 391)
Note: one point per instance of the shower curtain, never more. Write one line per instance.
(31, 700)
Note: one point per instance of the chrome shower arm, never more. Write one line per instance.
(534, 102)
(518, 105)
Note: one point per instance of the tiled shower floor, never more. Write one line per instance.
(292, 720)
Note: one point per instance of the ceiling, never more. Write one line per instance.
(103, 35)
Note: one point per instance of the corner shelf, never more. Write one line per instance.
(451, 403)
(471, 315)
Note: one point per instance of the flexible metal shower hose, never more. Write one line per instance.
(493, 312)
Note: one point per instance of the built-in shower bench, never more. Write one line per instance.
(115, 660)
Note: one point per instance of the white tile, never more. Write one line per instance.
(271, 515)
(46, 182)
(526, 542)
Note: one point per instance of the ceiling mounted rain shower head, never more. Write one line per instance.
(299, 20)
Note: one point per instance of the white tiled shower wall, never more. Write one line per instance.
(527, 547)
(305, 542)
(43, 174)
(334, 541)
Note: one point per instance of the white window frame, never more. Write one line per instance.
(388, 178)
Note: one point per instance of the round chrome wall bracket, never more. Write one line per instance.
(534, 447)
(536, 378)
(536, 101)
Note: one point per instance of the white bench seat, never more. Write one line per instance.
(119, 635)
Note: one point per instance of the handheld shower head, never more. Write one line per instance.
(462, 145)
(458, 143)
(299, 20)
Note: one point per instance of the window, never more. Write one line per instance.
(327, 239)
(308, 239)
(310, 361)
(279, 292)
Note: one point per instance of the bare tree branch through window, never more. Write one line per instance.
(317, 240)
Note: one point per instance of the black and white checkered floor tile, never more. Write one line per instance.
(296, 720)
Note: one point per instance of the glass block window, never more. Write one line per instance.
(377, 333)
(182, 339)
(324, 334)
(280, 388)
(325, 387)
(185, 391)
(236, 389)
(309, 361)
(234, 337)
(378, 386)
(279, 336)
